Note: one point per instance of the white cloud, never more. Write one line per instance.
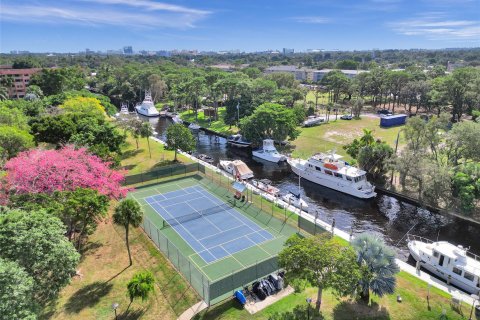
(148, 14)
(151, 5)
(434, 27)
(311, 19)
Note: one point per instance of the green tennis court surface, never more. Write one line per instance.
(178, 214)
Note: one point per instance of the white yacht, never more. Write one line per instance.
(269, 152)
(237, 168)
(147, 108)
(453, 264)
(124, 109)
(328, 170)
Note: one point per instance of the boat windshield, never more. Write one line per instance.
(359, 178)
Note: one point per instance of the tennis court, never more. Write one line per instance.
(213, 228)
(217, 243)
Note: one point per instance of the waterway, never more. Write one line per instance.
(385, 216)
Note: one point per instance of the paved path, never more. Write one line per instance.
(193, 310)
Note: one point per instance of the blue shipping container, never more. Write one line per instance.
(395, 120)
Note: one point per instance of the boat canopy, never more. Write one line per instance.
(241, 168)
(268, 145)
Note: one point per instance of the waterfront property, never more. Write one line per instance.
(217, 242)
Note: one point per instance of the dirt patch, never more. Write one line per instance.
(341, 137)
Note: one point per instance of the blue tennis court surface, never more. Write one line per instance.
(210, 226)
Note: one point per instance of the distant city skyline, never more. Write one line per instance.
(246, 26)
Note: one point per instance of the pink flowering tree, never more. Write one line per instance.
(47, 171)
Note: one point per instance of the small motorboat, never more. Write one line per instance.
(176, 119)
(295, 200)
(194, 126)
(238, 141)
(236, 168)
(266, 186)
(269, 152)
(205, 158)
(124, 109)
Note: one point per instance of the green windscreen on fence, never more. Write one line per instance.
(309, 226)
(162, 172)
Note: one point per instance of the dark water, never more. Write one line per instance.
(384, 215)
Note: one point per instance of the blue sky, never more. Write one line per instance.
(247, 25)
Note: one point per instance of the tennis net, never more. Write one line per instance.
(196, 215)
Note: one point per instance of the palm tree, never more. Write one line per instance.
(145, 132)
(140, 285)
(128, 212)
(377, 265)
(367, 138)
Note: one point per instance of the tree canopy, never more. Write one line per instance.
(16, 292)
(272, 121)
(35, 240)
(322, 262)
(47, 171)
(179, 137)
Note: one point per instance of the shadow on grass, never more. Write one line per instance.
(218, 311)
(163, 163)
(345, 309)
(90, 248)
(298, 313)
(87, 296)
(131, 314)
(131, 153)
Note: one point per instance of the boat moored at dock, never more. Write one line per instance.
(269, 152)
(326, 169)
(454, 264)
(147, 107)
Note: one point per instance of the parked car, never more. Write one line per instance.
(384, 112)
(346, 117)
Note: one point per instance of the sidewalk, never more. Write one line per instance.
(193, 310)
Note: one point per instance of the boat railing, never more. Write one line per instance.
(413, 237)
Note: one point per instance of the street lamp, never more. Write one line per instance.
(114, 307)
(475, 299)
(309, 300)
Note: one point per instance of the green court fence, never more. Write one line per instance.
(163, 172)
(215, 291)
(219, 289)
(196, 278)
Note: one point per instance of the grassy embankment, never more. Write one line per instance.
(104, 276)
(217, 126)
(138, 160)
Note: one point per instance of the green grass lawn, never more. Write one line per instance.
(413, 307)
(335, 134)
(138, 160)
(217, 126)
(104, 276)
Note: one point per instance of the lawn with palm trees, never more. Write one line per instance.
(337, 133)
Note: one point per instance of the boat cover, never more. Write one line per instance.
(241, 169)
(240, 297)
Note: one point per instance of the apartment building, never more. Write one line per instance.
(20, 79)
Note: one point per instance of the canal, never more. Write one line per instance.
(384, 215)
